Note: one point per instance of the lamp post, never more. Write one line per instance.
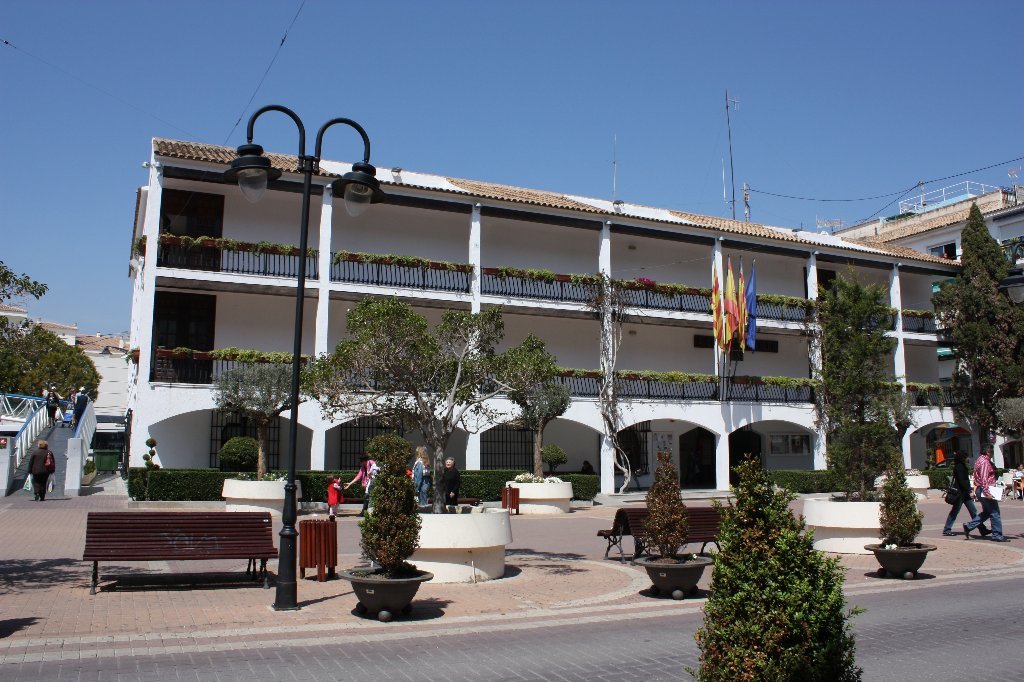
(252, 171)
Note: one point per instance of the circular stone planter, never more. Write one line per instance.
(256, 495)
(382, 596)
(920, 485)
(842, 527)
(462, 548)
(902, 562)
(675, 580)
(543, 498)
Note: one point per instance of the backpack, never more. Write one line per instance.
(50, 463)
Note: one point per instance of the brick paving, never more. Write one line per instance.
(51, 628)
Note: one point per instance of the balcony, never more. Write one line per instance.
(541, 285)
(182, 366)
(399, 271)
(932, 395)
(703, 387)
(919, 322)
(228, 255)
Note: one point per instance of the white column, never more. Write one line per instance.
(812, 345)
(812, 276)
(323, 304)
(722, 462)
(607, 467)
(473, 451)
(896, 301)
(820, 462)
(907, 445)
(604, 249)
(151, 231)
(716, 265)
(474, 260)
(997, 451)
(318, 448)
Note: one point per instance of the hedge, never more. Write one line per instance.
(806, 481)
(197, 485)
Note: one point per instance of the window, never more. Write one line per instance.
(944, 251)
(825, 280)
(226, 425)
(634, 440)
(192, 214)
(506, 447)
(789, 444)
(708, 341)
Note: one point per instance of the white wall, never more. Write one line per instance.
(574, 342)
(662, 260)
(663, 349)
(183, 441)
(437, 235)
(536, 246)
(790, 361)
(265, 323)
(113, 388)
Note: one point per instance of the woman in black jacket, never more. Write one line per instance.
(40, 473)
(450, 480)
(962, 482)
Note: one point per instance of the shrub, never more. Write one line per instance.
(137, 481)
(666, 519)
(900, 519)
(776, 610)
(239, 454)
(90, 466)
(193, 485)
(553, 456)
(314, 484)
(485, 484)
(806, 481)
(584, 486)
(391, 530)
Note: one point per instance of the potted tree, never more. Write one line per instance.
(670, 572)
(390, 534)
(898, 554)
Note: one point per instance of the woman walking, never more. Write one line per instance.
(367, 471)
(962, 482)
(42, 465)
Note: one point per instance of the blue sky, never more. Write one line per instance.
(836, 101)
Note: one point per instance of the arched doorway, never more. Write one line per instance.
(742, 442)
(697, 459)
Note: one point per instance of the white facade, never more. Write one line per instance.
(217, 298)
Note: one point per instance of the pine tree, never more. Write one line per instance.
(776, 610)
(391, 530)
(985, 328)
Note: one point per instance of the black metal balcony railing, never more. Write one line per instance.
(785, 313)
(394, 275)
(525, 287)
(757, 392)
(190, 370)
(726, 389)
(662, 390)
(681, 302)
(920, 325)
(215, 259)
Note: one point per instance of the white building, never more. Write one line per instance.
(231, 292)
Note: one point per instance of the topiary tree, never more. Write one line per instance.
(240, 453)
(260, 391)
(776, 609)
(900, 518)
(666, 523)
(985, 329)
(391, 528)
(554, 456)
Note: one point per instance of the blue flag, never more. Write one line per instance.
(751, 298)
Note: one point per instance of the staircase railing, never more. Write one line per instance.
(78, 450)
(22, 444)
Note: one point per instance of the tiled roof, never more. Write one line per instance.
(908, 227)
(4, 308)
(520, 194)
(97, 342)
(193, 151)
(57, 326)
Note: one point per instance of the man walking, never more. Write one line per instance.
(984, 478)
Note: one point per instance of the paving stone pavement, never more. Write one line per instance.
(561, 597)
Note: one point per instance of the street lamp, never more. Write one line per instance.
(1013, 285)
(252, 171)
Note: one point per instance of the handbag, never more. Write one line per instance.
(953, 495)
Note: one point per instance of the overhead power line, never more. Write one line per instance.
(267, 71)
(94, 87)
(889, 194)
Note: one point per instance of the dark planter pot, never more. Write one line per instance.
(384, 596)
(902, 562)
(677, 580)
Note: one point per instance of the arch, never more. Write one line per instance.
(697, 450)
(935, 441)
(778, 443)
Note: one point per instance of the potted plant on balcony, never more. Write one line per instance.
(671, 573)
(390, 534)
(897, 553)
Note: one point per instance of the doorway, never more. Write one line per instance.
(697, 459)
(742, 442)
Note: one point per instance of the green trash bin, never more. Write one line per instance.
(106, 460)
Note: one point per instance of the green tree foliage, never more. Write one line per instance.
(17, 286)
(240, 453)
(260, 391)
(985, 328)
(666, 514)
(857, 401)
(394, 367)
(531, 372)
(900, 518)
(553, 456)
(32, 358)
(391, 529)
(776, 610)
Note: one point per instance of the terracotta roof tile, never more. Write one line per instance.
(98, 343)
(212, 153)
(11, 308)
(57, 326)
(529, 196)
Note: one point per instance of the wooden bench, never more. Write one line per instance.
(703, 524)
(169, 536)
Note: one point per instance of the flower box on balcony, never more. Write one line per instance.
(401, 261)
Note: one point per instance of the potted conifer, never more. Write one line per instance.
(900, 518)
(390, 534)
(674, 574)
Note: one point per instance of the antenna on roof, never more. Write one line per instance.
(826, 224)
(735, 103)
(615, 164)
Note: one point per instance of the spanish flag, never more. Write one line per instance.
(731, 312)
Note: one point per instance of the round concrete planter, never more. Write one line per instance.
(920, 485)
(675, 580)
(256, 495)
(461, 548)
(382, 596)
(902, 562)
(544, 498)
(842, 527)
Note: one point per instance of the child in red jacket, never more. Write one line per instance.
(334, 496)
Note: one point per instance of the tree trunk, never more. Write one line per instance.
(262, 440)
(437, 440)
(538, 445)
